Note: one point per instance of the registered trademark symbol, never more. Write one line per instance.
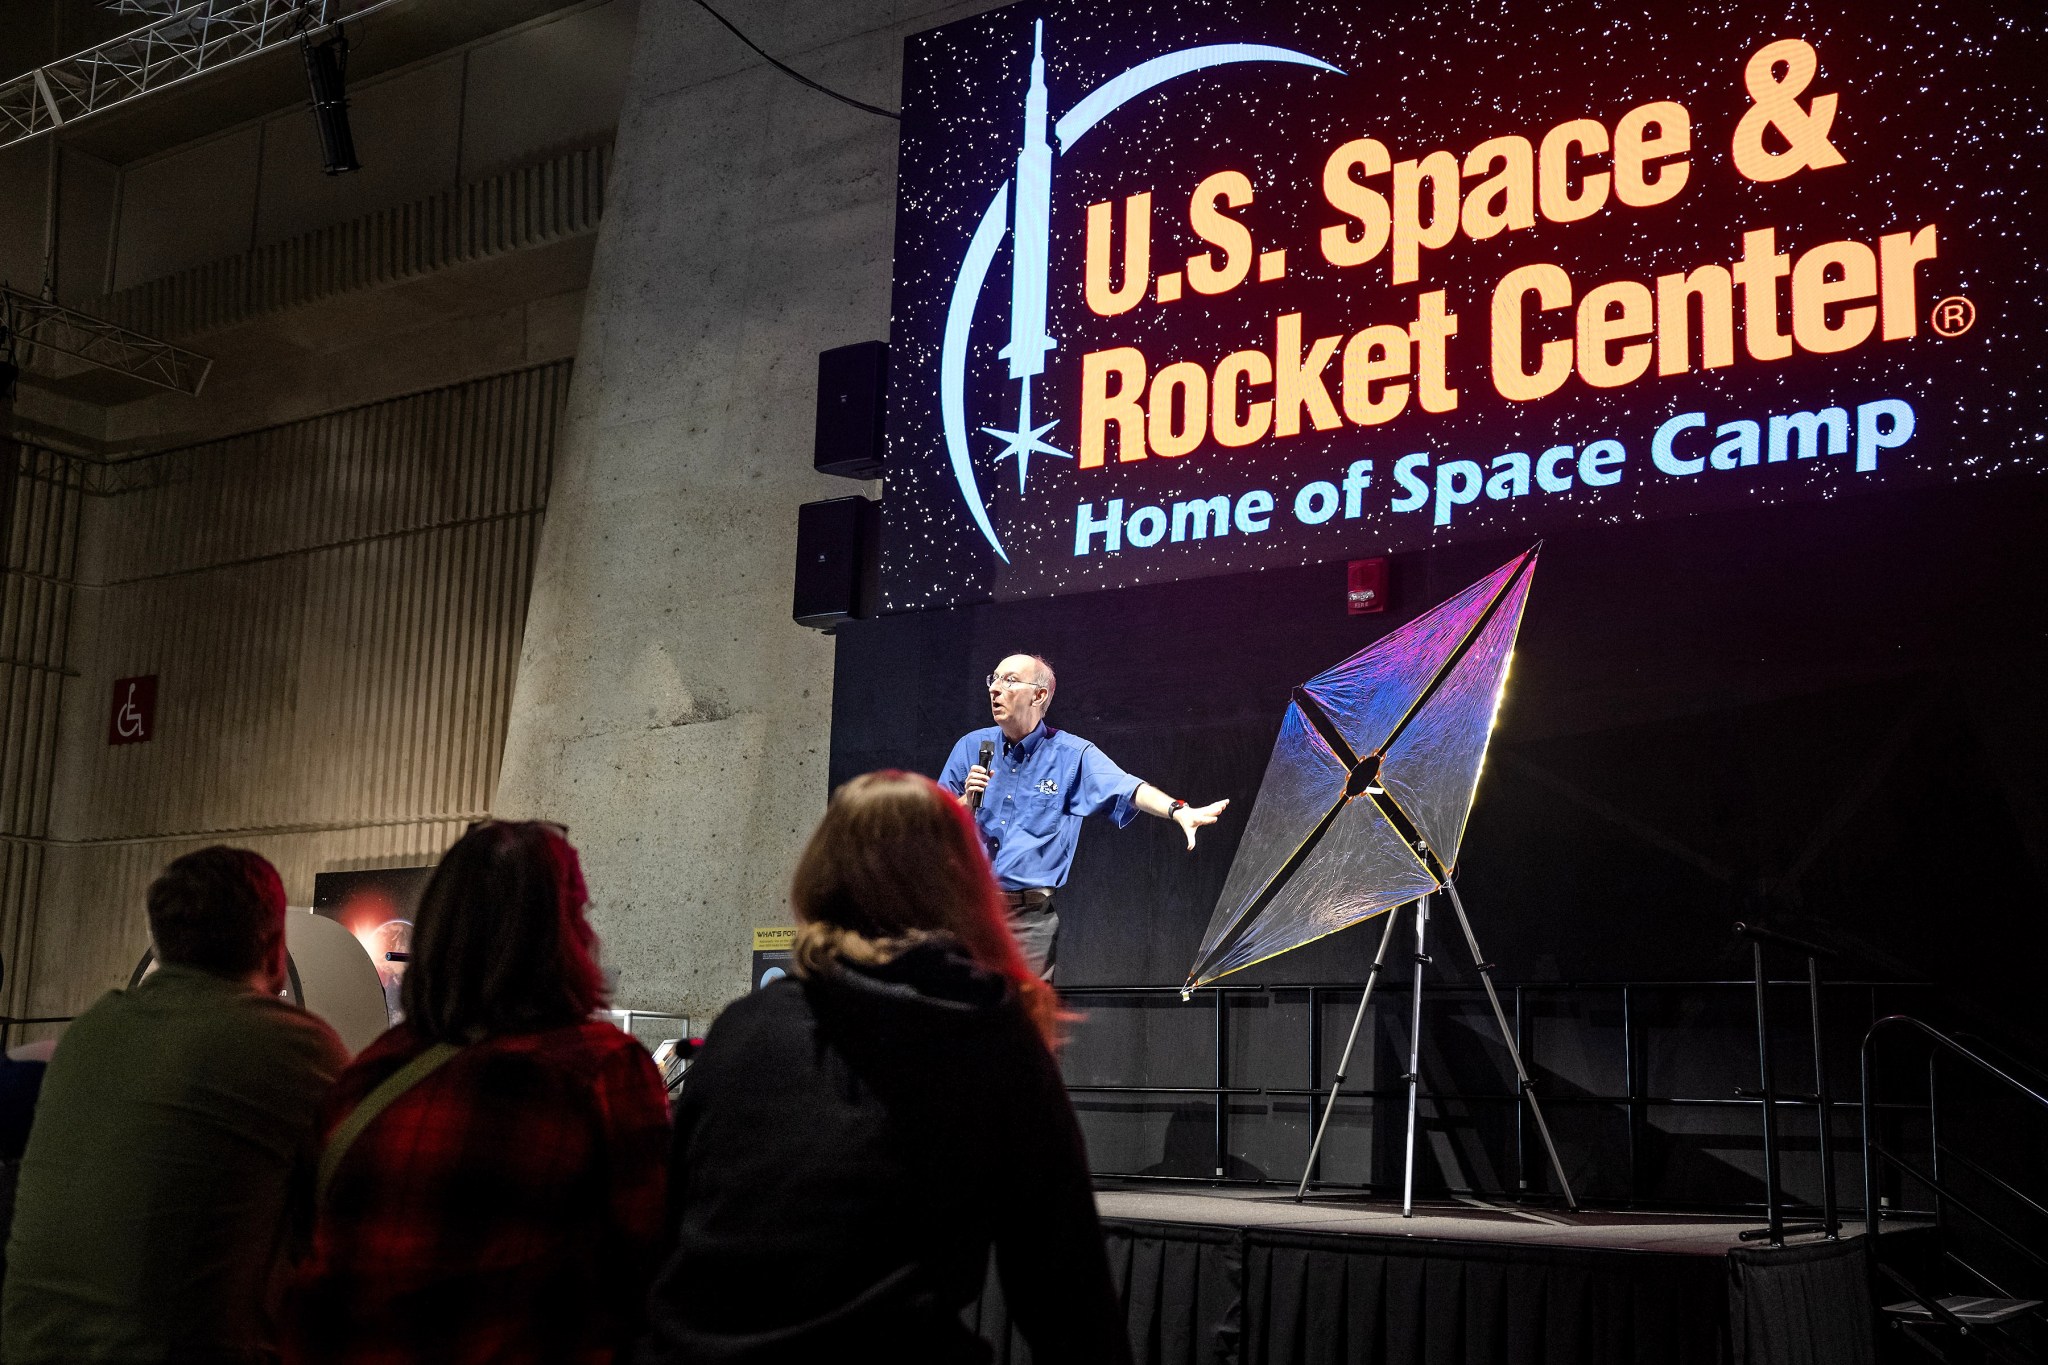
(1954, 316)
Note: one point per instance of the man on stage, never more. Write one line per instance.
(1031, 792)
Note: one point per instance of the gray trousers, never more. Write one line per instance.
(1036, 929)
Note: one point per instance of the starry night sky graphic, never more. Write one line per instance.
(1941, 118)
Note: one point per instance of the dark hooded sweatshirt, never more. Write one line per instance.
(846, 1152)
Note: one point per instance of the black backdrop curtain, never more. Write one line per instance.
(1230, 1296)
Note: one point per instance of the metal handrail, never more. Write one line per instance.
(1775, 1229)
(1473, 987)
(1877, 1154)
(1214, 1005)
(2004, 1186)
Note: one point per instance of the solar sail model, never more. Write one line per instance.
(1365, 799)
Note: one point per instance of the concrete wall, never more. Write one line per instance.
(503, 101)
(192, 205)
(665, 706)
(427, 127)
(667, 709)
(324, 558)
(332, 609)
(87, 189)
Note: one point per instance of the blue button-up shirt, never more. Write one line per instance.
(1039, 790)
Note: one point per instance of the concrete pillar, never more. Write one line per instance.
(666, 709)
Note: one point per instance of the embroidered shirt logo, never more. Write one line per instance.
(1048, 787)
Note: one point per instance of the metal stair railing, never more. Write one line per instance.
(2001, 1305)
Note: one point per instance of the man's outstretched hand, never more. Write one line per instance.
(1192, 818)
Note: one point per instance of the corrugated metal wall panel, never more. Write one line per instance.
(38, 568)
(333, 609)
(350, 476)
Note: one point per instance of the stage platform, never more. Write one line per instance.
(1462, 1221)
(1249, 1276)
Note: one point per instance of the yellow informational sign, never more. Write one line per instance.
(771, 954)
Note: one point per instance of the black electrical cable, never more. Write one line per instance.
(793, 73)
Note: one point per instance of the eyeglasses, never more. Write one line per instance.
(994, 681)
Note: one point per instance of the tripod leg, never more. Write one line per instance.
(1414, 1055)
(1826, 1105)
(1774, 1213)
(1344, 1063)
(1507, 1035)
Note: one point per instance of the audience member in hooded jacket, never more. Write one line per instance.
(491, 1183)
(851, 1142)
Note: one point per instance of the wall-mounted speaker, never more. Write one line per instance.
(838, 553)
(853, 386)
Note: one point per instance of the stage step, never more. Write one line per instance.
(1972, 1309)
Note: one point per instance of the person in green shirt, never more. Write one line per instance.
(173, 1141)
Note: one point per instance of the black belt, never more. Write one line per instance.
(1031, 898)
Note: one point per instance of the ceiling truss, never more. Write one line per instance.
(192, 41)
(28, 321)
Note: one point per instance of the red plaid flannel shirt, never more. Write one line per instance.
(505, 1209)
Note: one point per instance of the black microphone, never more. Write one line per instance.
(988, 754)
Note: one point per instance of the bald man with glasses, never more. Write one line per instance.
(1040, 785)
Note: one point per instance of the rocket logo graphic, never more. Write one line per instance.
(1029, 240)
(1022, 211)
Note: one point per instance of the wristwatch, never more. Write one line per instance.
(1176, 808)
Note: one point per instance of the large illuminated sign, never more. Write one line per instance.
(1191, 289)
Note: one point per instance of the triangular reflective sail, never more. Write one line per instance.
(1303, 781)
(1432, 770)
(1359, 868)
(1375, 756)
(1368, 694)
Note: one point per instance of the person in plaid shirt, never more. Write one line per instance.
(506, 1204)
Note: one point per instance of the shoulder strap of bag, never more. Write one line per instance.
(375, 1103)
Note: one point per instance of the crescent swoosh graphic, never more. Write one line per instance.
(1097, 105)
(1106, 98)
(953, 355)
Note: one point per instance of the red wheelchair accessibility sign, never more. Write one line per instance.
(133, 717)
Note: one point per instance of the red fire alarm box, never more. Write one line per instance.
(1367, 579)
(132, 718)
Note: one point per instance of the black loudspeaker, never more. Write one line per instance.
(327, 75)
(853, 383)
(838, 550)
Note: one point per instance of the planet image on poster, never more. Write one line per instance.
(392, 936)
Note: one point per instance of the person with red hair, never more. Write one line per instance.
(490, 1187)
(853, 1140)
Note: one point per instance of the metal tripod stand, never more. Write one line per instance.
(1413, 1077)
